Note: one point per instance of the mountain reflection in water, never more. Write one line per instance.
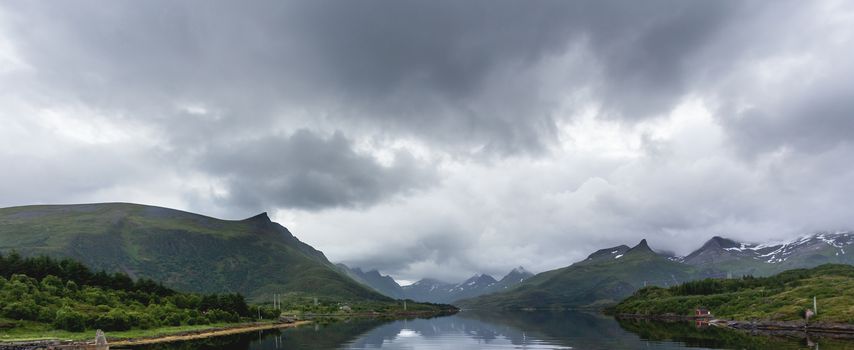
(517, 330)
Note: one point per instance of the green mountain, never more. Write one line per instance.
(605, 277)
(189, 252)
(782, 297)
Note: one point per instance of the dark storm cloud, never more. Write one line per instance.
(415, 67)
(459, 131)
(308, 171)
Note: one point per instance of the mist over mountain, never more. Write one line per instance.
(373, 279)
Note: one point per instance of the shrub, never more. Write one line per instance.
(115, 320)
(217, 315)
(68, 319)
(173, 319)
(22, 310)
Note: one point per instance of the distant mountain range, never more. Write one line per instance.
(373, 279)
(435, 291)
(186, 251)
(721, 256)
(611, 274)
(258, 257)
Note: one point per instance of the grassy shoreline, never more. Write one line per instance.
(39, 334)
(206, 333)
(181, 333)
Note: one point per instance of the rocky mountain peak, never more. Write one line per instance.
(260, 218)
(642, 247)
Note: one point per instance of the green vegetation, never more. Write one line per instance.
(41, 294)
(782, 297)
(42, 298)
(255, 257)
(591, 283)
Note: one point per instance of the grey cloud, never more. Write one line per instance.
(414, 67)
(496, 80)
(813, 123)
(308, 171)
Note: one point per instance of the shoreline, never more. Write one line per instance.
(207, 333)
(837, 330)
(203, 333)
(49, 344)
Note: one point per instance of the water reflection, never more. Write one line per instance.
(520, 330)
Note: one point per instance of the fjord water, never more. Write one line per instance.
(522, 330)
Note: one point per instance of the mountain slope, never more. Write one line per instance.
(190, 252)
(429, 290)
(605, 277)
(512, 279)
(721, 257)
(373, 279)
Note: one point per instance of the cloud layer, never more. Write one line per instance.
(442, 138)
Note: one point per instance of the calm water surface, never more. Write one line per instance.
(521, 330)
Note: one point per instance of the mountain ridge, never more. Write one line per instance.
(187, 251)
(436, 291)
(610, 274)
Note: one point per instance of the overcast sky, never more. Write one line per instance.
(441, 138)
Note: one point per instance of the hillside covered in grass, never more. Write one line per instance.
(189, 252)
(41, 294)
(782, 297)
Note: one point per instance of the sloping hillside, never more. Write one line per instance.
(605, 277)
(782, 297)
(186, 251)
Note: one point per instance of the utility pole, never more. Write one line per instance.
(814, 305)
